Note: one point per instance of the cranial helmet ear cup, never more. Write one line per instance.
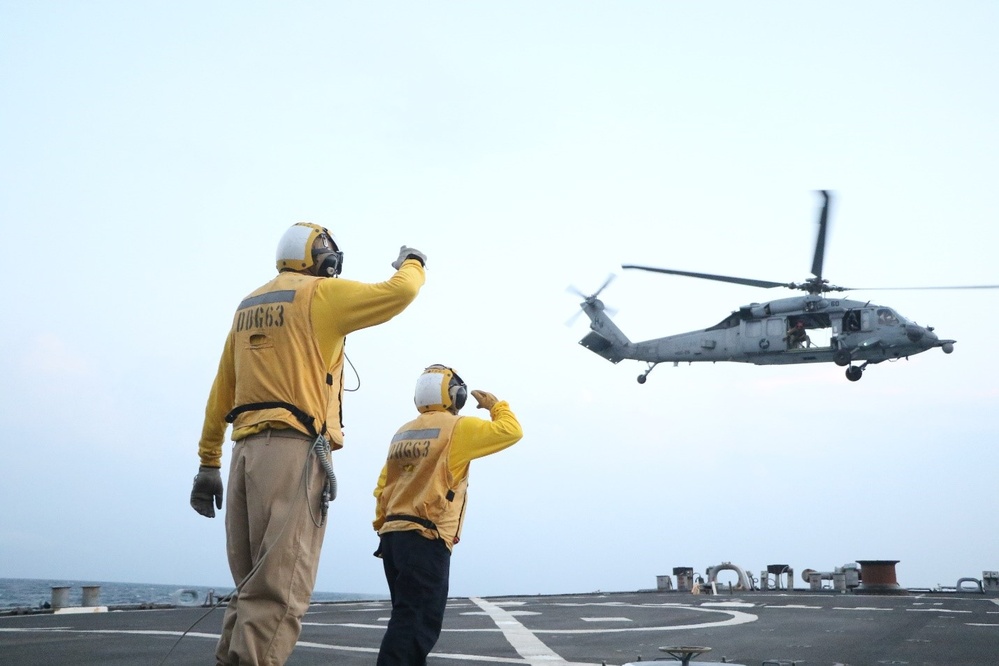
(459, 394)
(330, 264)
(457, 391)
(327, 256)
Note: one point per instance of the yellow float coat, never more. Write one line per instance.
(266, 359)
(418, 483)
(428, 462)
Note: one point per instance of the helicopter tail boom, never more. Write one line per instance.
(605, 338)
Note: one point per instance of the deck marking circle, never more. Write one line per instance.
(734, 618)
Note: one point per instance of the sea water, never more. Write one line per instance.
(36, 592)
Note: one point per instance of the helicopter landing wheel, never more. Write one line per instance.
(841, 357)
(642, 377)
(854, 373)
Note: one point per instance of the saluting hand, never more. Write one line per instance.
(485, 399)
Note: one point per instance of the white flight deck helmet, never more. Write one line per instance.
(440, 388)
(311, 249)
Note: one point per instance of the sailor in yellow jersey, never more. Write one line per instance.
(279, 384)
(420, 505)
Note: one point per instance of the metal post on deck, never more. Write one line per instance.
(878, 577)
(91, 595)
(60, 596)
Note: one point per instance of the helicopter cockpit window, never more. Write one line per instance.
(887, 317)
(730, 321)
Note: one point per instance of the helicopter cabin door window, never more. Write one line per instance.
(864, 319)
(754, 341)
(764, 336)
(776, 330)
(851, 321)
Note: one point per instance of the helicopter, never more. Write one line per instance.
(777, 332)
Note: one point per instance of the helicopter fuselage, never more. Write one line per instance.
(761, 333)
(780, 332)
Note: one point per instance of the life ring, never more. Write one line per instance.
(764, 343)
(186, 597)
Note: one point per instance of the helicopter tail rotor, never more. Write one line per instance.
(593, 296)
(604, 338)
(591, 299)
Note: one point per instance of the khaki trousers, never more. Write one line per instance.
(272, 507)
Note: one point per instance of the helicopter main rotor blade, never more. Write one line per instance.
(970, 286)
(766, 284)
(820, 240)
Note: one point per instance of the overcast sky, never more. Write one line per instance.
(152, 154)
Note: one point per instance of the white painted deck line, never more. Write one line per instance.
(523, 640)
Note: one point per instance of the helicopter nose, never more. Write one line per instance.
(917, 333)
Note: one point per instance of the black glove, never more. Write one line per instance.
(207, 486)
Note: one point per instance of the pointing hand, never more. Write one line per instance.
(405, 253)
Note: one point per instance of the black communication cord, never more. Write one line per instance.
(356, 375)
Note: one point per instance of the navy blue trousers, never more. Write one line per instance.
(417, 570)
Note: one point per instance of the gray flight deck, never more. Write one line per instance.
(751, 628)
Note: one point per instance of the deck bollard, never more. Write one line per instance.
(60, 596)
(878, 577)
(91, 595)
